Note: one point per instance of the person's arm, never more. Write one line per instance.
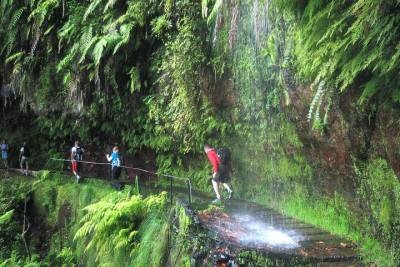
(109, 158)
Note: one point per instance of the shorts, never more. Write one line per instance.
(24, 160)
(75, 166)
(115, 172)
(222, 177)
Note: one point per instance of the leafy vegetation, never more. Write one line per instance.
(344, 45)
(12, 195)
(93, 225)
(164, 77)
(138, 78)
(112, 224)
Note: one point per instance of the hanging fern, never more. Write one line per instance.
(14, 20)
(91, 8)
(343, 41)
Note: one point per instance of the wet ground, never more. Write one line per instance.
(255, 227)
(241, 225)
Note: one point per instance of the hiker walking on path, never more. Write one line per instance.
(115, 160)
(76, 156)
(24, 154)
(4, 153)
(221, 170)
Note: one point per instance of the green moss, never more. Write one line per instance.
(184, 223)
(333, 215)
(149, 252)
(386, 213)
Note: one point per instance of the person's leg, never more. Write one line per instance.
(26, 166)
(73, 167)
(78, 171)
(118, 172)
(227, 187)
(216, 189)
(22, 164)
(5, 159)
(113, 173)
(230, 191)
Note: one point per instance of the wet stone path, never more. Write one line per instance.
(248, 226)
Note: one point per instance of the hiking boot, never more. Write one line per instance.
(230, 194)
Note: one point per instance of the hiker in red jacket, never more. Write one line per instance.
(221, 171)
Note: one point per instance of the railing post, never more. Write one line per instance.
(137, 184)
(189, 185)
(170, 189)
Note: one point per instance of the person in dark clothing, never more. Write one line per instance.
(221, 172)
(24, 154)
(77, 153)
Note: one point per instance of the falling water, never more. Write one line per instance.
(258, 233)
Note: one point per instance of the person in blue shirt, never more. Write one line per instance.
(115, 160)
(4, 153)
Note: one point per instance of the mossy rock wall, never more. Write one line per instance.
(341, 175)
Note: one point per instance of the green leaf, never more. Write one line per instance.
(98, 50)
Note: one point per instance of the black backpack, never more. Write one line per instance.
(79, 153)
(224, 156)
(26, 152)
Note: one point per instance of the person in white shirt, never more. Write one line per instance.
(24, 154)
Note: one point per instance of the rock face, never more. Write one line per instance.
(351, 134)
(353, 157)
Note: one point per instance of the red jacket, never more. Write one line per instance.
(214, 159)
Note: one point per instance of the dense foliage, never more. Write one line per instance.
(89, 225)
(111, 228)
(137, 79)
(347, 46)
(12, 196)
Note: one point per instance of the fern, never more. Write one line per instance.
(111, 225)
(66, 61)
(92, 7)
(98, 50)
(110, 4)
(125, 32)
(16, 17)
(15, 57)
(342, 41)
(6, 217)
(86, 42)
(214, 11)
